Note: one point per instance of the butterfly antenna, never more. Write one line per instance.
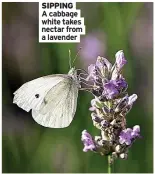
(70, 64)
(76, 55)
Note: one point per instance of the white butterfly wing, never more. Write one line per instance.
(59, 105)
(25, 97)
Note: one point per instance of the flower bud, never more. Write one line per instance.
(132, 99)
(115, 73)
(118, 148)
(104, 66)
(136, 131)
(96, 118)
(91, 72)
(120, 59)
(123, 155)
(136, 128)
(104, 123)
(130, 102)
(126, 110)
(121, 104)
(95, 103)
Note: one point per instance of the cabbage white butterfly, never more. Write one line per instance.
(52, 98)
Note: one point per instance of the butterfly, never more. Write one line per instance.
(52, 98)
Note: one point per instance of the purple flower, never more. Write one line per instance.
(120, 83)
(120, 59)
(110, 90)
(87, 141)
(125, 136)
(113, 87)
(136, 131)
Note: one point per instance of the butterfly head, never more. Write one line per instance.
(73, 73)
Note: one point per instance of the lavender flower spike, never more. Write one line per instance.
(87, 141)
(109, 108)
(120, 59)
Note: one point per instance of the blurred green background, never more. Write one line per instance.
(29, 147)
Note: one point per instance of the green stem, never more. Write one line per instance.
(109, 164)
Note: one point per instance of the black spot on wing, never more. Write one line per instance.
(37, 95)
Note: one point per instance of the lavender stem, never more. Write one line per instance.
(109, 164)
